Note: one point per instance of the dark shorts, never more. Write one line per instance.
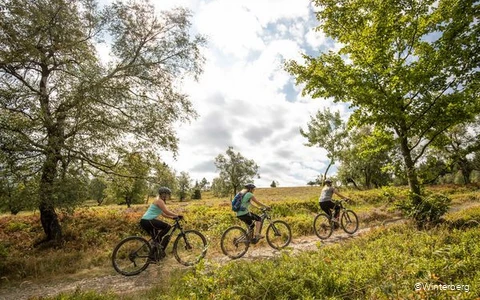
(250, 219)
(327, 207)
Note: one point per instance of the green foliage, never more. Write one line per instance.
(197, 194)
(384, 264)
(408, 68)
(128, 184)
(17, 195)
(73, 110)
(91, 233)
(184, 184)
(235, 171)
(97, 189)
(328, 131)
(365, 158)
(428, 211)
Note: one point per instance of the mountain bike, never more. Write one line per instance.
(236, 240)
(323, 224)
(131, 255)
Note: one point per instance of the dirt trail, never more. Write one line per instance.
(119, 284)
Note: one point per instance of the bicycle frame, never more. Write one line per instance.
(264, 216)
(176, 226)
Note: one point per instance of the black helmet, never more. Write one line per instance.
(164, 190)
(250, 186)
(328, 181)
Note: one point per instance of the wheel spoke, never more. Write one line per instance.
(234, 242)
(349, 222)
(190, 247)
(279, 234)
(322, 226)
(130, 256)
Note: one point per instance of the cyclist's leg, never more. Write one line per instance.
(327, 207)
(161, 229)
(148, 227)
(258, 225)
(249, 221)
(337, 211)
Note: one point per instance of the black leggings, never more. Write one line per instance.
(327, 206)
(250, 219)
(154, 226)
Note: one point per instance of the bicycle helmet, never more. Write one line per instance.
(164, 190)
(250, 186)
(328, 181)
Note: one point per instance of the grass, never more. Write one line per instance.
(92, 232)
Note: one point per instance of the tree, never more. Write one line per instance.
(61, 102)
(364, 159)
(131, 186)
(184, 185)
(197, 191)
(326, 130)
(235, 170)
(407, 67)
(274, 184)
(204, 184)
(162, 175)
(458, 144)
(97, 189)
(220, 187)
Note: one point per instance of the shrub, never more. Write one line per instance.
(430, 209)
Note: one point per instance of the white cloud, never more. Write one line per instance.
(245, 98)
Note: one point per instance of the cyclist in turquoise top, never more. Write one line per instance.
(252, 220)
(152, 225)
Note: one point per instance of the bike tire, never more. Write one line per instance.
(279, 234)
(130, 256)
(234, 242)
(349, 221)
(322, 226)
(190, 247)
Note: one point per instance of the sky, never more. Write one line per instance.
(244, 98)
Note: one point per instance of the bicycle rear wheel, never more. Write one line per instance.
(235, 242)
(279, 234)
(130, 256)
(322, 226)
(190, 247)
(349, 221)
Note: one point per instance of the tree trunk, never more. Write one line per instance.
(466, 170)
(411, 172)
(48, 216)
(326, 172)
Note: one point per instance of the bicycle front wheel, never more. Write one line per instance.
(279, 234)
(130, 256)
(349, 221)
(322, 226)
(190, 247)
(235, 242)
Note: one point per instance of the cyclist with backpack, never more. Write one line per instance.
(152, 225)
(252, 220)
(326, 200)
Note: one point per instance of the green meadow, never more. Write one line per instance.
(389, 261)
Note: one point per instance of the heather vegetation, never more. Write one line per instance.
(384, 263)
